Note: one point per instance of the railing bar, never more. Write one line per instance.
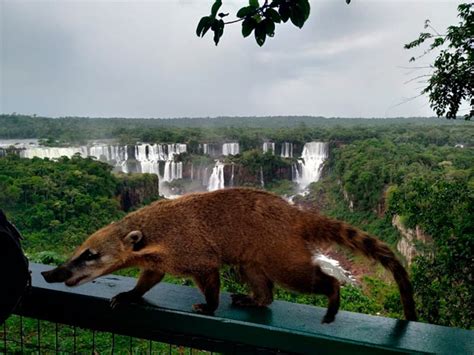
(21, 334)
(93, 342)
(131, 345)
(74, 339)
(151, 347)
(5, 336)
(113, 344)
(17, 342)
(56, 330)
(39, 337)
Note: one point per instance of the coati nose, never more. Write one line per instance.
(60, 274)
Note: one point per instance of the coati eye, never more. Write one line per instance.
(88, 255)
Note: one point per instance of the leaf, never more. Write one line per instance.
(269, 27)
(254, 3)
(260, 33)
(248, 26)
(203, 26)
(297, 16)
(284, 11)
(273, 15)
(305, 7)
(218, 28)
(245, 11)
(215, 7)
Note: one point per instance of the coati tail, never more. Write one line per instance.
(330, 230)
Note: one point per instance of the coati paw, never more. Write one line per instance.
(124, 297)
(203, 308)
(241, 300)
(328, 318)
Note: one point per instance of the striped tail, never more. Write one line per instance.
(330, 230)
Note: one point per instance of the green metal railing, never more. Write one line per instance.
(61, 319)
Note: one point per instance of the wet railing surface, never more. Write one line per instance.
(165, 316)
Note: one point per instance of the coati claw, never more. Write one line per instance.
(203, 308)
(237, 296)
(328, 318)
(241, 300)
(124, 297)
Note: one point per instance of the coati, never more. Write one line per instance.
(266, 238)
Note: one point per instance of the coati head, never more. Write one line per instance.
(109, 249)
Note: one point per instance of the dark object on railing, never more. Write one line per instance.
(284, 327)
(14, 274)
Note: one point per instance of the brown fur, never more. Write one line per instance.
(269, 240)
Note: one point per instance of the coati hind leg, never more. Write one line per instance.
(209, 284)
(309, 278)
(261, 288)
(147, 279)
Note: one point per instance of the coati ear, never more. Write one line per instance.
(134, 238)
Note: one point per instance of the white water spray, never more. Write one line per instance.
(216, 181)
(286, 150)
(310, 164)
(268, 146)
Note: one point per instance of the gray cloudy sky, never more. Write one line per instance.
(143, 59)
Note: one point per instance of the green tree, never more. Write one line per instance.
(452, 80)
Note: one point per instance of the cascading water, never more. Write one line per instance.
(147, 157)
(286, 150)
(173, 170)
(268, 146)
(216, 181)
(230, 149)
(232, 176)
(310, 164)
(52, 152)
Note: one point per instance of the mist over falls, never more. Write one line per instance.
(207, 166)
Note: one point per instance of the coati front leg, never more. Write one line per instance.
(147, 279)
(209, 284)
(260, 285)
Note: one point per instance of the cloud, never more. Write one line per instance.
(143, 59)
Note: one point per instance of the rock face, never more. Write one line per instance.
(136, 189)
(407, 246)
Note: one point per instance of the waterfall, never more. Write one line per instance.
(53, 152)
(286, 150)
(310, 164)
(269, 146)
(141, 158)
(149, 155)
(205, 149)
(230, 149)
(205, 177)
(232, 176)
(216, 181)
(295, 173)
(262, 183)
(173, 170)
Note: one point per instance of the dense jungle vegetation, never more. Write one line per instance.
(421, 170)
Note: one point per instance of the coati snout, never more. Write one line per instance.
(267, 239)
(60, 274)
(96, 257)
